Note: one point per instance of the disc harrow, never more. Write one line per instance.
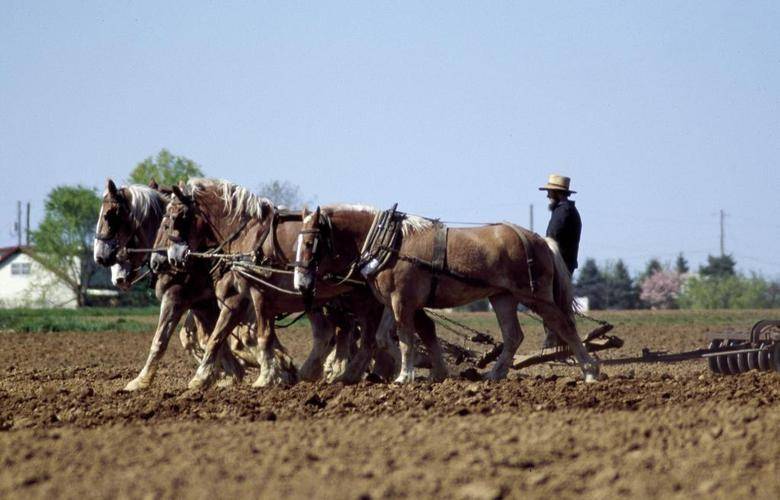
(732, 353)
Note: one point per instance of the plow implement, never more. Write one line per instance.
(737, 352)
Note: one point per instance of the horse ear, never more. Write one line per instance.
(265, 209)
(111, 187)
(153, 184)
(177, 192)
(317, 212)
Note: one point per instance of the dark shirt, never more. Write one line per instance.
(565, 227)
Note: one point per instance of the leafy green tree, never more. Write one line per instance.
(282, 193)
(64, 238)
(718, 267)
(727, 292)
(166, 169)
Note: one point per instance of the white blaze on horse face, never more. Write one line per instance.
(98, 247)
(177, 253)
(119, 275)
(301, 277)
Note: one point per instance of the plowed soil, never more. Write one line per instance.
(649, 430)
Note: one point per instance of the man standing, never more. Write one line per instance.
(565, 227)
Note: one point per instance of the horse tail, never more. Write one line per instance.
(563, 289)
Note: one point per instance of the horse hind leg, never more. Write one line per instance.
(559, 322)
(505, 307)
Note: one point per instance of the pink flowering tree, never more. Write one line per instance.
(661, 289)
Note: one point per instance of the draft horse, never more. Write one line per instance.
(429, 265)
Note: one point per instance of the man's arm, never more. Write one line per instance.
(557, 225)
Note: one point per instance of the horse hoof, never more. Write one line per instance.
(227, 382)
(136, 385)
(591, 378)
(404, 378)
(197, 384)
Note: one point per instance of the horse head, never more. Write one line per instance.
(308, 242)
(206, 214)
(112, 225)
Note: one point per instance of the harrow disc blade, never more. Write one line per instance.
(723, 364)
(742, 362)
(763, 360)
(713, 361)
(752, 360)
(732, 361)
(776, 357)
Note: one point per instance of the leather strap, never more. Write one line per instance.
(439, 260)
(529, 253)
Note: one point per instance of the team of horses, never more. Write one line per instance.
(236, 263)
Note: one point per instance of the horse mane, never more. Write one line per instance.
(238, 200)
(412, 224)
(144, 202)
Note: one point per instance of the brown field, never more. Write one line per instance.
(649, 430)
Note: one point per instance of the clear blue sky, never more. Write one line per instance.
(663, 113)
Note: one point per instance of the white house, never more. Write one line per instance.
(26, 282)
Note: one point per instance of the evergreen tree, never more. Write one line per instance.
(623, 294)
(681, 265)
(591, 284)
(718, 267)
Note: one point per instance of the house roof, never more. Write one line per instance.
(8, 252)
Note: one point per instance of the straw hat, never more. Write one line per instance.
(557, 182)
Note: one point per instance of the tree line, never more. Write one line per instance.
(716, 285)
(64, 237)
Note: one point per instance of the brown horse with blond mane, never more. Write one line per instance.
(430, 265)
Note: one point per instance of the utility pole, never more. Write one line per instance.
(532, 217)
(722, 246)
(19, 222)
(27, 231)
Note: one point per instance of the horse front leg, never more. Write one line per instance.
(426, 329)
(404, 320)
(229, 317)
(370, 327)
(276, 366)
(322, 334)
(171, 311)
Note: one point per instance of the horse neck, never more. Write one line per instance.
(151, 223)
(281, 244)
(238, 233)
(350, 229)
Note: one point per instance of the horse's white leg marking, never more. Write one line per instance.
(337, 361)
(505, 307)
(228, 319)
(276, 367)
(404, 320)
(170, 314)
